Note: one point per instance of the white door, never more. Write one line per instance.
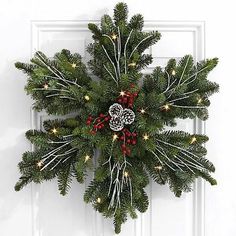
(49, 26)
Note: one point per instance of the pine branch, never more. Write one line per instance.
(120, 13)
(23, 181)
(64, 177)
(136, 22)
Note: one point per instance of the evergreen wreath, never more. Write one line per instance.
(122, 114)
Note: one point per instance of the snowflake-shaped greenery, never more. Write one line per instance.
(121, 114)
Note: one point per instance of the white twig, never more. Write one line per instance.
(125, 47)
(178, 99)
(46, 156)
(56, 164)
(177, 147)
(184, 164)
(163, 161)
(184, 70)
(168, 82)
(165, 155)
(195, 74)
(58, 76)
(67, 97)
(190, 107)
(48, 163)
(111, 62)
(139, 45)
(110, 74)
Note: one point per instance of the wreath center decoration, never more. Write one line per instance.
(123, 114)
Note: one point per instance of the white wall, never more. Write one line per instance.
(15, 44)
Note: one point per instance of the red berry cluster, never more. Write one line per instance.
(128, 139)
(127, 99)
(98, 123)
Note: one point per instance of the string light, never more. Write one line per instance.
(142, 111)
(40, 163)
(158, 167)
(73, 65)
(87, 157)
(114, 36)
(86, 97)
(199, 100)
(132, 64)
(54, 130)
(126, 174)
(99, 200)
(122, 93)
(173, 72)
(145, 137)
(114, 137)
(193, 140)
(166, 107)
(46, 86)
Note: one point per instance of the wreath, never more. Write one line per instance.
(117, 119)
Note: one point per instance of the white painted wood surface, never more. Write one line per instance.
(27, 26)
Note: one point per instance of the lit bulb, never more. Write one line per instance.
(126, 174)
(86, 97)
(199, 100)
(45, 86)
(158, 167)
(40, 164)
(114, 36)
(142, 111)
(166, 107)
(122, 93)
(132, 64)
(145, 137)
(114, 137)
(99, 200)
(54, 131)
(87, 157)
(73, 65)
(173, 72)
(193, 140)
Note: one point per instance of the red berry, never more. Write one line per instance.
(88, 122)
(106, 119)
(95, 126)
(134, 142)
(134, 134)
(128, 134)
(98, 120)
(128, 151)
(128, 141)
(122, 137)
(99, 127)
(135, 94)
(102, 125)
(125, 100)
(123, 146)
(124, 152)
